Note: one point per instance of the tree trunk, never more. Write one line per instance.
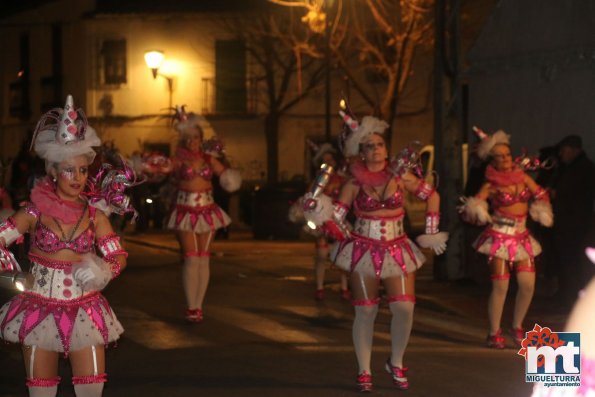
(271, 130)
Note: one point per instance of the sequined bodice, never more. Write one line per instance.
(46, 240)
(505, 199)
(365, 202)
(188, 173)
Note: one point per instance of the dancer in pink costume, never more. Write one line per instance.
(63, 310)
(506, 241)
(325, 154)
(195, 215)
(377, 250)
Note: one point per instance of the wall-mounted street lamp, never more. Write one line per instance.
(154, 59)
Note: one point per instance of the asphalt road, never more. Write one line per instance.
(264, 335)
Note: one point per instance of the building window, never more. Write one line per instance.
(230, 77)
(51, 86)
(113, 56)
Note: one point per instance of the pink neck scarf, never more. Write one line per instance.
(504, 178)
(366, 177)
(44, 196)
(187, 155)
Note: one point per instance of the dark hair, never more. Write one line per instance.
(573, 141)
(333, 153)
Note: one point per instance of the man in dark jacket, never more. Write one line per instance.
(572, 196)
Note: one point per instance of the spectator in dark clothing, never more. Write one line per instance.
(547, 262)
(572, 196)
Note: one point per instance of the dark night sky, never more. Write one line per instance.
(145, 6)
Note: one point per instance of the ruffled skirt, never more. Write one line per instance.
(378, 248)
(508, 239)
(197, 212)
(60, 326)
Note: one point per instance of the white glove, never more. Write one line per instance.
(436, 242)
(92, 273)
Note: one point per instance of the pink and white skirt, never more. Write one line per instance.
(197, 212)
(508, 239)
(56, 314)
(378, 247)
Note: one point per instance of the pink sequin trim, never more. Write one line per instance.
(400, 298)
(109, 245)
(500, 276)
(115, 266)
(528, 269)
(424, 190)
(32, 210)
(197, 254)
(381, 218)
(41, 382)
(365, 302)
(89, 379)
(51, 263)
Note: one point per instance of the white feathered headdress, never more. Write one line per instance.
(355, 133)
(319, 151)
(186, 124)
(487, 142)
(61, 134)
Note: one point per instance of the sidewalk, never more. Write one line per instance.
(462, 304)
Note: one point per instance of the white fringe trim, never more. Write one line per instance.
(541, 211)
(296, 211)
(474, 210)
(230, 180)
(323, 211)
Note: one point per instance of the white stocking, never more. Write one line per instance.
(363, 335)
(496, 304)
(524, 295)
(43, 391)
(203, 280)
(400, 329)
(38, 391)
(89, 390)
(190, 275)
